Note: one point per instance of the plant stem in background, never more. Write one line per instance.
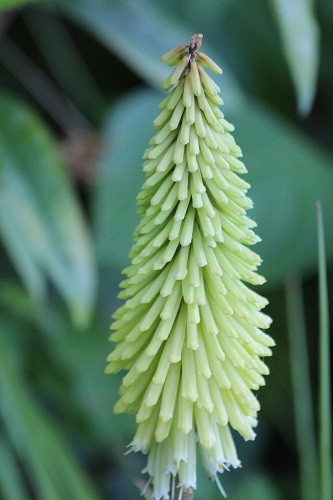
(65, 61)
(300, 375)
(325, 417)
(46, 93)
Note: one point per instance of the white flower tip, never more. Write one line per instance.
(219, 485)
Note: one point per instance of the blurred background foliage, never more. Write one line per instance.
(80, 82)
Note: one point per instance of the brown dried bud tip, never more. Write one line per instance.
(195, 44)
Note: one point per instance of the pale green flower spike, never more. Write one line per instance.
(190, 332)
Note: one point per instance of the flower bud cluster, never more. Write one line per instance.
(190, 333)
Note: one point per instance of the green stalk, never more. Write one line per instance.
(303, 407)
(325, 417)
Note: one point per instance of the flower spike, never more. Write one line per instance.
(190, 333)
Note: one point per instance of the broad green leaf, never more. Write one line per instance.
(39, 443)
(286, 171)
(41, 224)
(140, 33)
(300, 38)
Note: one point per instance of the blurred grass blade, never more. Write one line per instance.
(325, 416)
(41, 87)
(300, 38)
(41, 224)
(64, 60)
(302, 399)
(21, 255)
(11, 482)
(44, 455)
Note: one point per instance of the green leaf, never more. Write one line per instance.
(11, 482)
(286, 171)
(140, 33)
(11, 4)
(300, 38)
(78, 359)
(41, 224)
(39, 443)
